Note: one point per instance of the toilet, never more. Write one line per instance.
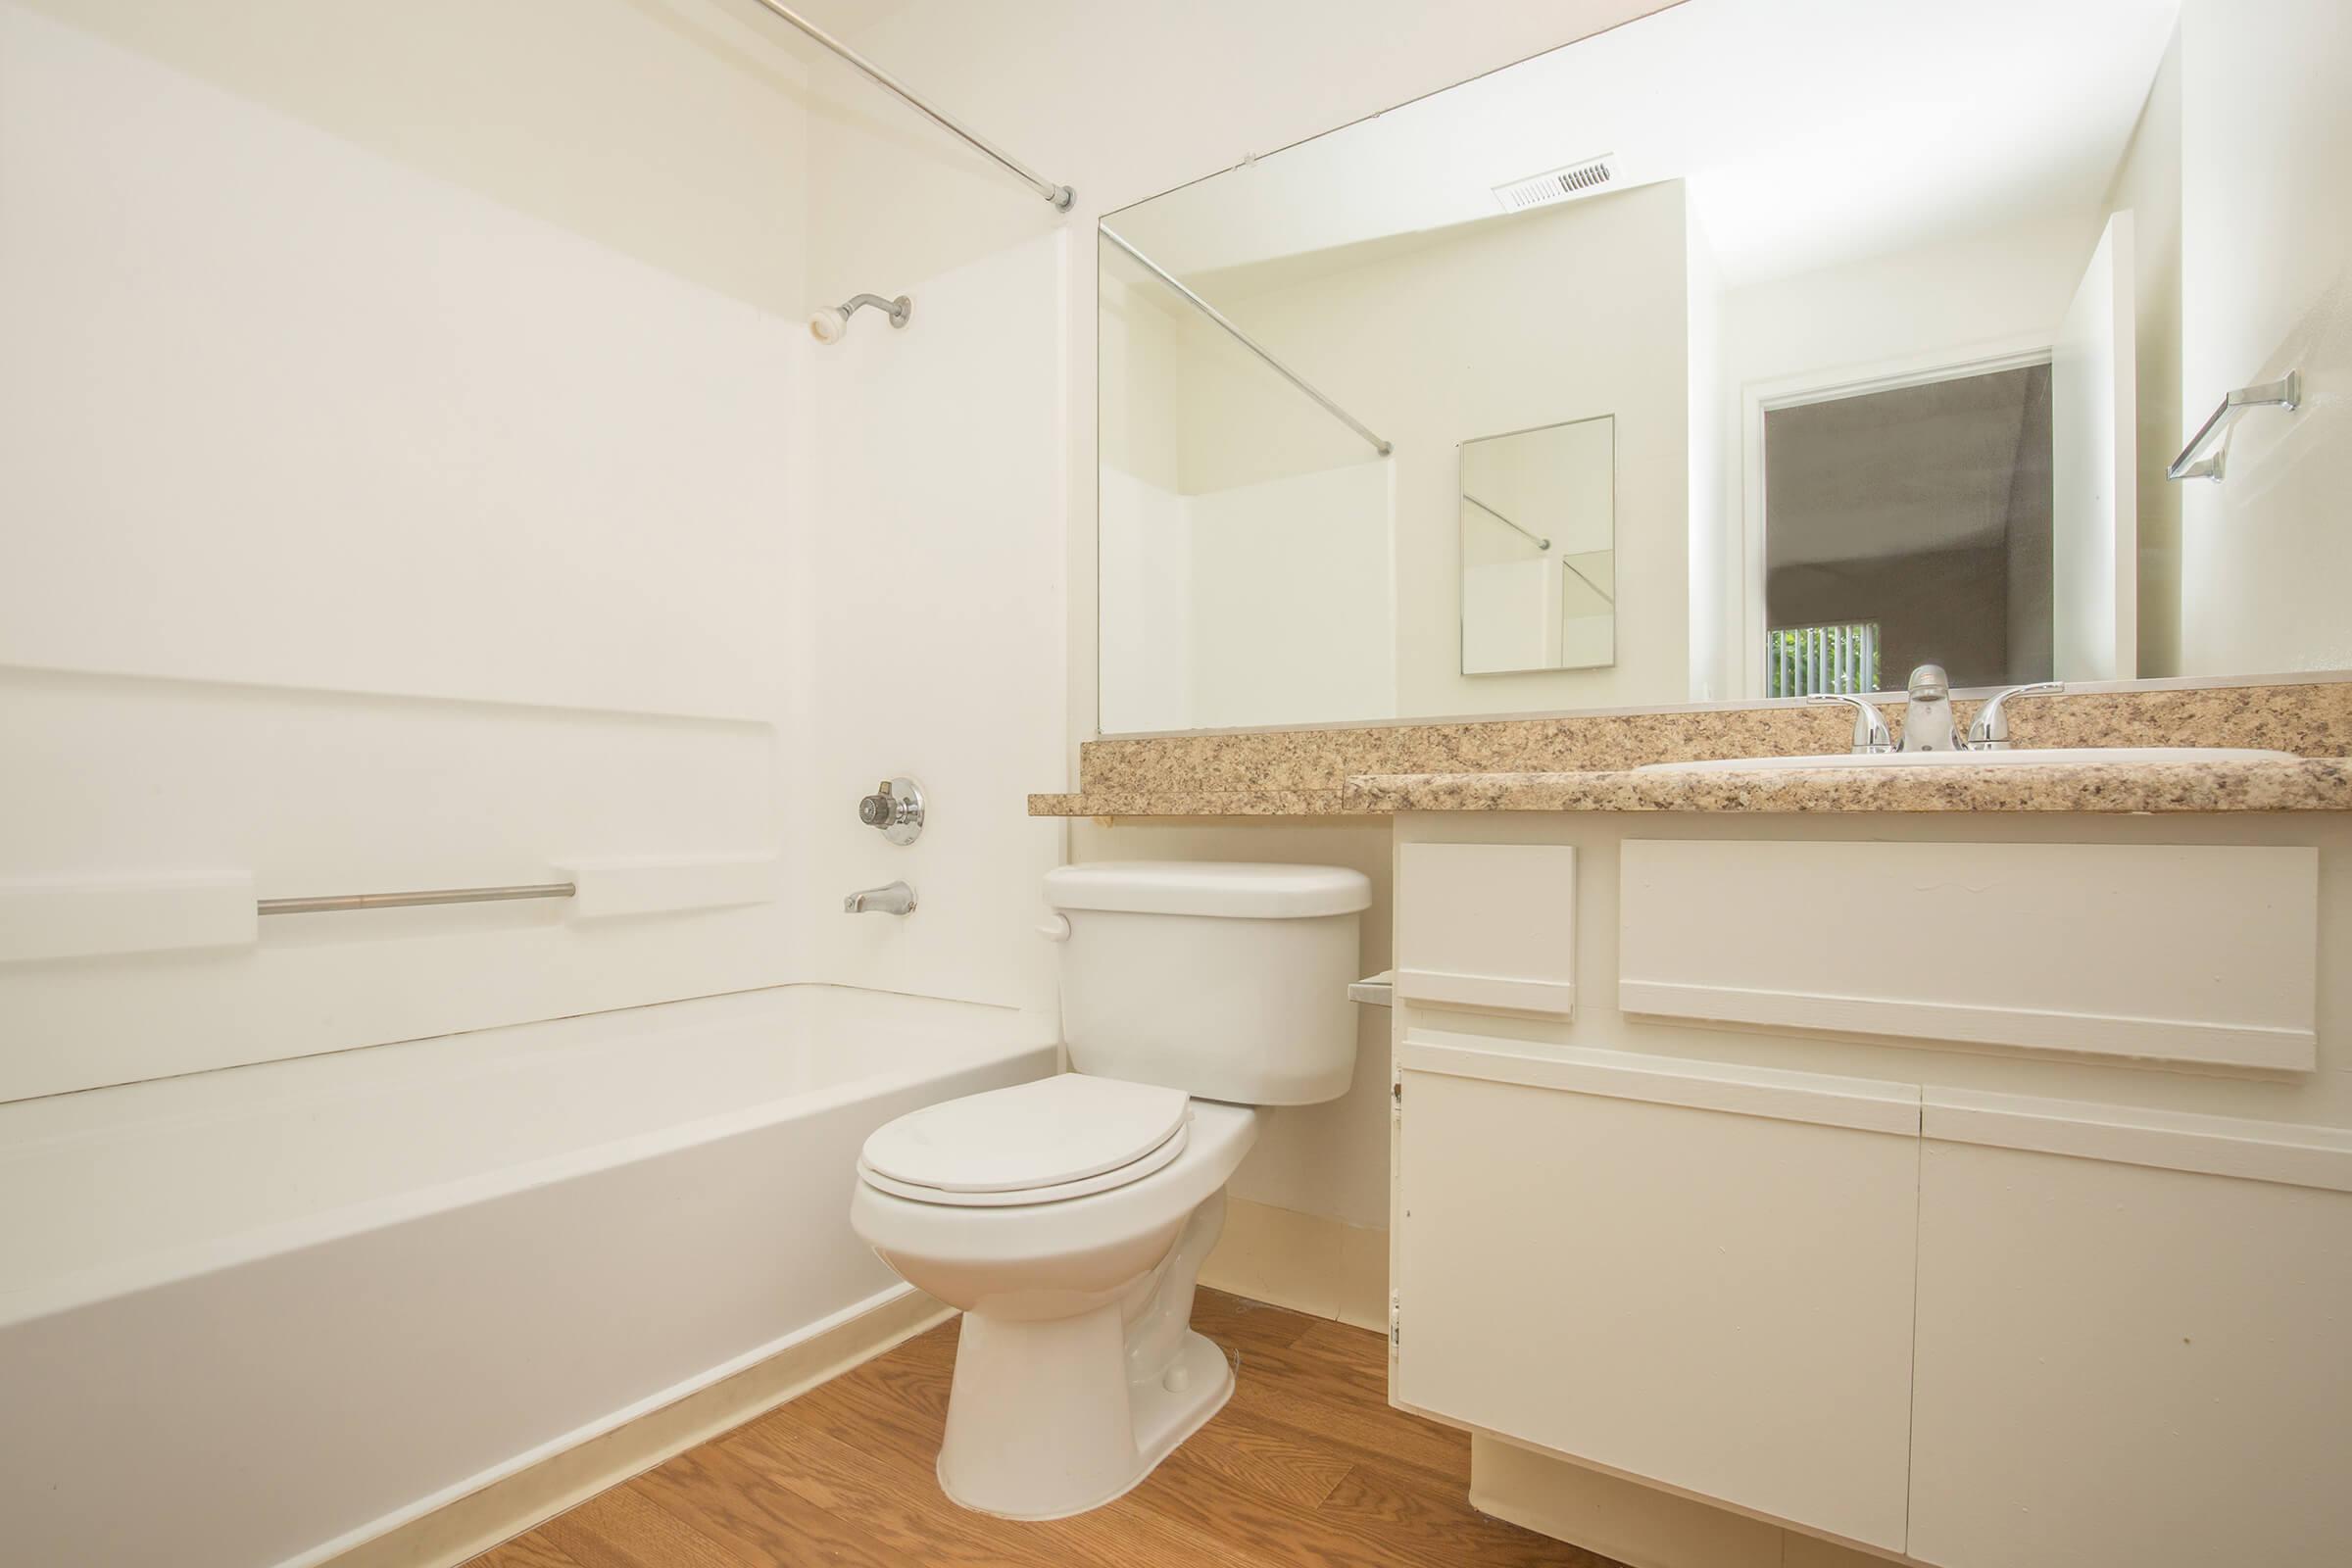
(1068, 1217)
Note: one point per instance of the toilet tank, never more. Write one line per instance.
(1226, 980)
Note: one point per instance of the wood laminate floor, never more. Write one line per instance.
(1307, 1467)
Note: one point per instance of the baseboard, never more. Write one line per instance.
(1642, 1526)
(506, 1508)
(1306, 1262)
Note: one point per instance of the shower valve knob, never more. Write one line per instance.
(896, 807)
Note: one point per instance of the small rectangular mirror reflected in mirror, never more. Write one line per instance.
(1539, 537)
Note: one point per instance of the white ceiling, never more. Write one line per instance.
(1810, 131)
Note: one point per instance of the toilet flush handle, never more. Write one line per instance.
(1054, 928)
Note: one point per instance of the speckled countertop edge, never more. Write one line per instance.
(2314, 784)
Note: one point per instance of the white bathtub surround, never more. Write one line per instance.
(294, 1306)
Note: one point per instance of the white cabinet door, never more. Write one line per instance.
(2131, 1339)
(1695, 1274)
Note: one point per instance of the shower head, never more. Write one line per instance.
(832, 324)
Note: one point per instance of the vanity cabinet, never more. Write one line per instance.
(1878, 1187)
(1693, 1273)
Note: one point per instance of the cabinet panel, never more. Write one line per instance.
(1639, 1273)
(2204, 955)
(1488, 926)
(2122, 1364)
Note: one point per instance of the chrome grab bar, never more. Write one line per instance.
(2284, 393)
(337, 902)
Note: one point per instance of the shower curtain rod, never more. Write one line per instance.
(1060, 195)
(1245, 340)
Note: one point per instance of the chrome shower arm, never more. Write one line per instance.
(896, 310)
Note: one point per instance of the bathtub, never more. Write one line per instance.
(261, 1315)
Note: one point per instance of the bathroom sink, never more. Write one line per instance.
(2021, 757)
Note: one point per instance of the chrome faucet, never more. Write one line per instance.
(895, 899)
(1928, 721)
(1928, 724)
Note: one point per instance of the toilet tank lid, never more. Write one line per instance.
(1234, 888)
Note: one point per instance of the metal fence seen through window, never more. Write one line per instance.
(1800, 661)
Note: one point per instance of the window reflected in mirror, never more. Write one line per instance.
(1906, 527)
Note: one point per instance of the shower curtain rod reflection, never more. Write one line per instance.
(1245, 340)
(1060, 195)
(1542, 544)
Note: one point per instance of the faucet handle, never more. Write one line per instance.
(1990, 730)
(896, 807)
(1871, 734)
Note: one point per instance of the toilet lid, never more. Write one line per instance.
(1049, 1133)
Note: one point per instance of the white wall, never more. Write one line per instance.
(2266, 258)
(371, 528)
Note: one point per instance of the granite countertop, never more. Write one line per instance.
(1584, 763)
(2311, 784)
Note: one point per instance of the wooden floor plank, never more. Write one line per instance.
(1270, 1463)
(623, 1528)
(1436, 1525)
(1307, 1466)
(534, 1550)
(892, 1498)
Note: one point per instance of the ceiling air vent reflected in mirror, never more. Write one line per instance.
(1585, 178)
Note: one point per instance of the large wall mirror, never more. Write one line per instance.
(1891, 320)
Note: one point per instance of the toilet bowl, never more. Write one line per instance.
(1068, 1218)
(1077, 1370)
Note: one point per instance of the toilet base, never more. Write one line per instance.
(1161, 1417)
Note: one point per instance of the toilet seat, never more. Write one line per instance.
(1085, 1186)
(1035, 1143)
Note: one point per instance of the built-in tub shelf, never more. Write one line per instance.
(2190, 955)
